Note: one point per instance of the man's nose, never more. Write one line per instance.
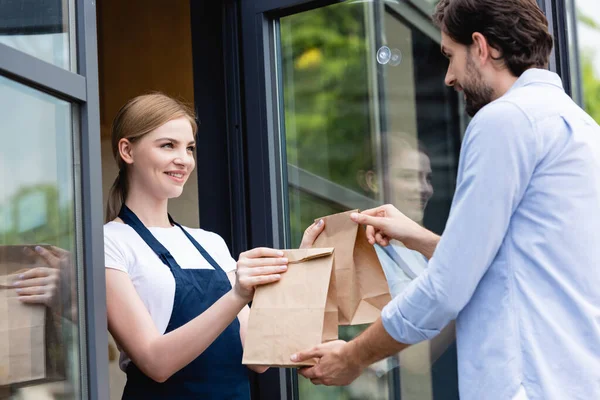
(450, 79)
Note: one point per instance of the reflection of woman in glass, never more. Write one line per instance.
(408, 177)
(176, 300)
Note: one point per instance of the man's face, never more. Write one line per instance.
(465, 76)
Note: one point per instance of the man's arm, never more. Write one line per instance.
(340, 362)
(498, 158)
(425, 243)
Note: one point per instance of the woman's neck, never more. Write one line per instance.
(151, 211)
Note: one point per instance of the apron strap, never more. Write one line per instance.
(165, 256)
(198, 246)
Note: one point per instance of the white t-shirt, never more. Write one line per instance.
(126, 251)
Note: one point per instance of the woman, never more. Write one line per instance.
(176, 300)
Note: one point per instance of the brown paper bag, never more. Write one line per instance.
(361, 286)
(294, 314)
(22, 326)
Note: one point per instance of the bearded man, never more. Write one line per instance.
(518, 265)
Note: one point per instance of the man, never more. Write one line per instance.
(518, 265)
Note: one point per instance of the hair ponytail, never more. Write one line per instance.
(116, 196)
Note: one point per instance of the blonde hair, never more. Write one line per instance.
(138, 117)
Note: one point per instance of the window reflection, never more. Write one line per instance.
(39, 28)
(365, 126)
(38, 292)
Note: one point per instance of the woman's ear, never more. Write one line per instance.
(372, 183)
(126, 150)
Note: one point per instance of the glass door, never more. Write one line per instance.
(355, 114)
(366, 119)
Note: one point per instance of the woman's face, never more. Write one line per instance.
(410, 182)
(163, 159)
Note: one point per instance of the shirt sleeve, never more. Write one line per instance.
(113, 254)
(497, 160)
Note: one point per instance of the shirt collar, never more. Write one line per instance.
(535, 75)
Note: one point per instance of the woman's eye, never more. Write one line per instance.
(191, 148)
(167, 146)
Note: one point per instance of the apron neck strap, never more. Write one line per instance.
(165, 256)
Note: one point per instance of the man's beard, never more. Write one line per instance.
(478, 94)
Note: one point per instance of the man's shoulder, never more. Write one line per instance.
(501, 115)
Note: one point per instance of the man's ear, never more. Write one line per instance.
(482, 50)
(126, 150)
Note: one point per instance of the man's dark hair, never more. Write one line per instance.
(516, 28)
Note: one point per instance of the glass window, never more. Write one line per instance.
(367, 119)
(588, 35)
(40, 28)
(39, 313)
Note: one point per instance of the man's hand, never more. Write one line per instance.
(334, 366)
(387, 222)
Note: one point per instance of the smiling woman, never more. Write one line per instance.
(175, 307)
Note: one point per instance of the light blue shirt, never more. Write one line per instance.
(518, 265)
(400, 265)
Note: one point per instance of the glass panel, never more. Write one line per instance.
(39, 335)
(366, 111)
(39, 28)
(588, 30)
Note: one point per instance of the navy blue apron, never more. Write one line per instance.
(218, 372)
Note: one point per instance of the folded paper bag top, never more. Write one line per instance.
(360, 283)
(294, 314)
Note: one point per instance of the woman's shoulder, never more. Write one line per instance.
(117, 232)
(116, 226)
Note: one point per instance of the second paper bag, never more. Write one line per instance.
(360, 283)
(296, 313)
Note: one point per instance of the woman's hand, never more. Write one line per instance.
(257, 267)
(311, 234)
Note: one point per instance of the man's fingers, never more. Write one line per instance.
(308, 372)
(375, 212)
(370, 231)
(382, 240)
(315, 352)
(364, 219)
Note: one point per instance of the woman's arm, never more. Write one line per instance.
(160, 356)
